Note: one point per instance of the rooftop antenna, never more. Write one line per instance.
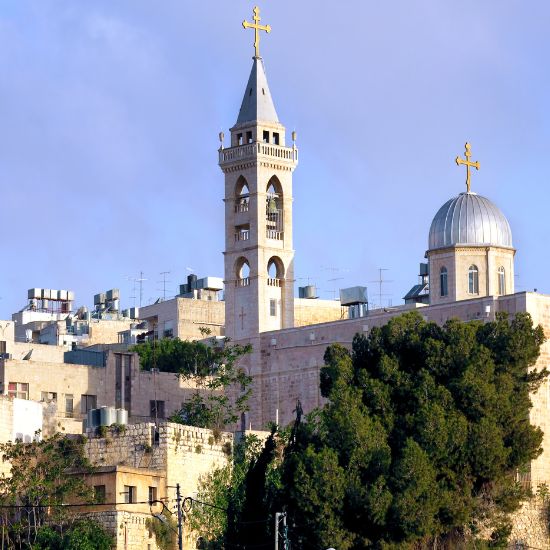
(332, 281)
(380, 282)
(140, 281)
(134, 287)
(164, 281)
(334, 270)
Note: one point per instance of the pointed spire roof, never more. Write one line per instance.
(257, 102)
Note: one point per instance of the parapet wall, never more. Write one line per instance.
(184, 453)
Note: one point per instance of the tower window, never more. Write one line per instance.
(473, 280)
(266, 136)
(276, 138)
(443, 282)
(273, 308)
(250, 92)
(239, 139)
(248, 137)
(501, 281)
(263, 91)
(242, 271)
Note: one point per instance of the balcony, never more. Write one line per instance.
(243, 235)
(251, 151)
(275, 282)
(274, 234)
(241, 207)
(242, 282)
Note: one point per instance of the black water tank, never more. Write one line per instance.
(192, 282)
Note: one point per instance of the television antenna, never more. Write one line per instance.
(138, 281)
(380, 281)
(164, 281)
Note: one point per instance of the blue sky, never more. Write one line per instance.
(110, 111)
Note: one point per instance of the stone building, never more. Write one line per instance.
(470, 276)
(67, 391)
(144, 463)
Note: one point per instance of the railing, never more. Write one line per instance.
(241, 207)
(242, 282)
(275, 282)
(273, 234)
(242, 235)
(251, 150)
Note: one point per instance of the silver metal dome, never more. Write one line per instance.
(469, 219)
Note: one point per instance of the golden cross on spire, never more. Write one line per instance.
(469, 164)
(257, 28)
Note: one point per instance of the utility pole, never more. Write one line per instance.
(180, 521)
(281, 517)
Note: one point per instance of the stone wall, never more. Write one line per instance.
(185, 316)
(6, 428)
(181, 454)
(129, 529)
(312, 312)
(530, 525)
(184, 453)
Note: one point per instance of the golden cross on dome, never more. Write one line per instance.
(257, 28)
(469, 164)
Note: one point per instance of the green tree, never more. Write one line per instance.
(222, 386)
(182, 357)
(235, 496)
(424, 430)
(84, 534)
(38, 485)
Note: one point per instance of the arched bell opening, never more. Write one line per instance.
(274, 209)
(242, 272)
(242, 195)
(275, 272)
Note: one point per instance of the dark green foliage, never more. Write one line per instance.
(38, 483)
(81, 535)
(238, 492)
(178, 356)
(421, 438)
(223, 388)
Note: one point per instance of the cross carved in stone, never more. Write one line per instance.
(242, 315)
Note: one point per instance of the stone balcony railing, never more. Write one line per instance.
(258, 149)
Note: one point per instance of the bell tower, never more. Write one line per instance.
(258, 167)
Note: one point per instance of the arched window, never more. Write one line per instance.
(274, 209)
(501, 281)
(443, 284)
(275, 271)
(242, 195)
(473, 280)
(242, 272)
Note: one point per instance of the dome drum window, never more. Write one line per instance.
(443, 282)
(501, 281)
(473, 280)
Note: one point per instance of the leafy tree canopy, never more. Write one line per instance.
(83, 534)
(36, 487)
(179, 356)
(424, 431)
(222, 387)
